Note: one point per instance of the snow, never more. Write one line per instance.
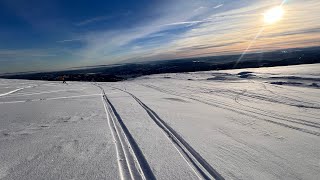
(10, 92)
(261, 123)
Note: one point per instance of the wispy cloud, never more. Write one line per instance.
(224, 32)
(199, 9)
(179, 29)
(69, 40)
(218, 6)
(93, 20)
(25, 53)
(185, 23)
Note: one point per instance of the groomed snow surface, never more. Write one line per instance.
(236, 124)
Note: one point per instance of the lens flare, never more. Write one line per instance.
(273, 15)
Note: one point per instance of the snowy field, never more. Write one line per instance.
(235, 124)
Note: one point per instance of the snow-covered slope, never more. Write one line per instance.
(235, 124)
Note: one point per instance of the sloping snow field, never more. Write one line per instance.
(235, 124)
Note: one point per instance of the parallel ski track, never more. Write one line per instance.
(243, 111)
(266, 113)
(203, 169)
(275, 98)
(132, 163)
(230, 94)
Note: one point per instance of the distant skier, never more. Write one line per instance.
(63, 80)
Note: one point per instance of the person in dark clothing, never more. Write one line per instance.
(63, 80)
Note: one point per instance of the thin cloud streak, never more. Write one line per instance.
(185, 23)
(69, 40)
(93, 20)
(5, 53)
(218, 6)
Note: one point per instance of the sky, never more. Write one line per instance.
(45, 35)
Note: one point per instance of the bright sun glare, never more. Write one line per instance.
(273, 15)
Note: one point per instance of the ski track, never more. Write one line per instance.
(49, 99)
(10, 92)
(280, 117)
(271, 98)
(131, 161)
(19, 89)
(236, 95)
(271, 114)
(48, 92)
(198, 164)
(241, 111)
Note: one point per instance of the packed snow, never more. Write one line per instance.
(261, 123)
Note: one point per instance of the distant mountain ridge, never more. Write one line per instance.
(119, 72)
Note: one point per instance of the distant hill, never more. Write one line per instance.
(121, 72)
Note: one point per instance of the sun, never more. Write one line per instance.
(273, 15)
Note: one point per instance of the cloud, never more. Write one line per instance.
(93, 20)
(199, 9)
(69, 40)
(218, 6)
(184, 29)
(25, 53)
(185, 32)
(183, 23)
(202, 47)
(292, 32)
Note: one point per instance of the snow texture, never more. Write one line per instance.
(261, 123)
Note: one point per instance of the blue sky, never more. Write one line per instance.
(42, 35)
